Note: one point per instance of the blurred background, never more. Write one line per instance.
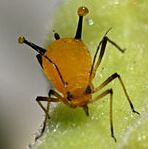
(21, 78)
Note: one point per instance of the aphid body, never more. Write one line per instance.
(74, 62)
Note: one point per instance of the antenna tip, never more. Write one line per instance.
(21, 40)
(82, 11)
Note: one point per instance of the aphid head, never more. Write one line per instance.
(79, 96)
(40, 50)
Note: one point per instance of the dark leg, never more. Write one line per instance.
(111, 78)
(85, 108)
(110, 92)
(46, 110)
(102, 44)
(53, 97)
(47, 99)
(54, 93)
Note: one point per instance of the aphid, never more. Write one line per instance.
(67, 63)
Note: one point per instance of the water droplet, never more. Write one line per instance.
(94, 118)
(56, 127)
(141, 137)
(90, 21)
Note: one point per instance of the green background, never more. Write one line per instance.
(70, 128)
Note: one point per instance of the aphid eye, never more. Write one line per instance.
(69, 96)
(56, 36)
(82, 11)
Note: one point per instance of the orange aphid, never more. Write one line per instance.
(74, 61)
(67, 63)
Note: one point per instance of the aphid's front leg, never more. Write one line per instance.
(105, 93)
(110, 79)
(53, 97)
(102, 47)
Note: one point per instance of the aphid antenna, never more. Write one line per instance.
(40, 50)
(82, 11)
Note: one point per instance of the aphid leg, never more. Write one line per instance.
(53, 97)
(105, 93)
(110, 79)
(101, 47)
(46, 110)
(54, 93)
(86, 110)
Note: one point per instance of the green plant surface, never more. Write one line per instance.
(70, 128)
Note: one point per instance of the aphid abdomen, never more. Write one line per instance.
(73, 60)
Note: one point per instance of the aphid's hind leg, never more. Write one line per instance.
(110, 79)
(102, 47)
(52, 98)
(105, 93)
